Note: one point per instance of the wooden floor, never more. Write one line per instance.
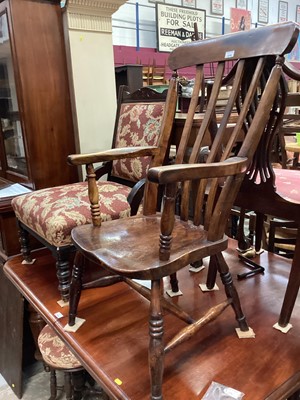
(112, 343)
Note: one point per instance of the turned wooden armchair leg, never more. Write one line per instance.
(174, 283)
(63, 272)
(231, 292)
(75, 287)
(156, 344)
(259, 226)
(212, 272)
(24, 243)
(243, 242)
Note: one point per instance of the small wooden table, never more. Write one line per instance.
(112, 343)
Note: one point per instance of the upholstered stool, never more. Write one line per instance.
(57, 356)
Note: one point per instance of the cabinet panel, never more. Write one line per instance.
(37, 127)
(14, 153)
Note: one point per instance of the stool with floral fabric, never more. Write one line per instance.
(57, 356)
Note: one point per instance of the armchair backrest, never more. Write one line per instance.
(138, 123)
(254, 104)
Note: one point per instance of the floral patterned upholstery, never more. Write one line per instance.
(53, 213)
(139, 125)
(54, 352)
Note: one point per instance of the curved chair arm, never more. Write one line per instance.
(135, 196)
(188, 172)
(113, 154)
(291, 71)
(103, 169)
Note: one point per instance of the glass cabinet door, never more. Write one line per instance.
(11, 130)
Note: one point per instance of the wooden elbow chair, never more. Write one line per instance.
(154, 245)
(158, 75)
(287, 133)
(272, 191)
(50, 214)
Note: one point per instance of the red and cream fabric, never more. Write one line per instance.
(53, 213)
(139, 125)
(54, 352)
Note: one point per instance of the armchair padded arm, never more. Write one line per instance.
(113, 154)
(188, 172)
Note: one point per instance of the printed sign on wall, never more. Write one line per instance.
(175, 25)
(240, 20)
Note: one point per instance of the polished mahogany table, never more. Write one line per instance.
(112, 343)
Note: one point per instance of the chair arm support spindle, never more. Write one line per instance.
(93, 195)
(167, 222)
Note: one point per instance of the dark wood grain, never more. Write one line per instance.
(43, 91)
(266, 367)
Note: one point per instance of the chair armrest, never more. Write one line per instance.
(291, 71)
(188, 172)
(113, 154)
(136, 195)
(103, 169)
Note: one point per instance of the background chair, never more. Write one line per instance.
(281, 236)
(287, 131)
(272, 191)
(156, 245)
(158, 74)
(50, 214)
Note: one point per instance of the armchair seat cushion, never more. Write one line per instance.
(52, 213)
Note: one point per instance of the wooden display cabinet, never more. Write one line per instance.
(35, 107)
(36, 136)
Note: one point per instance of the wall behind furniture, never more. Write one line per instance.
(125, 19)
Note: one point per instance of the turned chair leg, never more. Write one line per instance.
(212, 272)
(53, 384)
(292, 287)
(156, 344)
(68, 385)
(174, 283)
(63, 272)
(78, 380)
(231, 292)
(24, 243)
(75, 287)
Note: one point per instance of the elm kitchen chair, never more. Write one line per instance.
(154, 245)
(50, 214)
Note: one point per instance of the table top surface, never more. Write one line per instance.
(112, 343)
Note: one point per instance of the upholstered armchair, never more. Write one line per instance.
(50, 214)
